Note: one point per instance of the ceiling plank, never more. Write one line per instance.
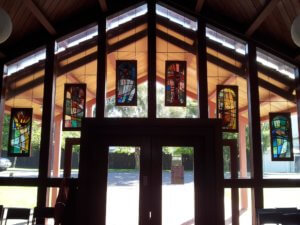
(40, 16)
(103, 5)
(199, 5)
(261, 17)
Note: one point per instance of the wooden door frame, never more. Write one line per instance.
(93, 162)
(69, 142)
(235, 212)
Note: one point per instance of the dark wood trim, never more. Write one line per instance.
(202, 69)
(40, 16)
(297, 73)
(269, 7)
(2, 101)
(47, 123)
(126, 41)
(199, 5)
(181, 44)
(276, 76)
(225, 51)
(69, 142)
(152, 32)
(254, 125)
(101, 67)
(103, 5)
(282, 93)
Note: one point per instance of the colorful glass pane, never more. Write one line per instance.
(281, 138)
(175, 91)
(227, 107)
(20, 132)
(74, 106)
(126, 85)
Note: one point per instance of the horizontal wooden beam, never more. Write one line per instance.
(276, 76)
(181, 44)
(126, 41)
(269, 7)
(261, 103)
(40, 16)
(215, 60)
(276, 90)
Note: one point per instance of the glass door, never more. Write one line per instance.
(174, 162)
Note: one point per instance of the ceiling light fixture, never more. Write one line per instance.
(5, 26)
(295, 31)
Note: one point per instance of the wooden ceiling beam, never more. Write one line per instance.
(210, 58)
(103, 5)
(40, 16)
(267, 10)
(199, 5)
(261, 103)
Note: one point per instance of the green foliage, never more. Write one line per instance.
(124, 150)
(265, 136)
(178, 151)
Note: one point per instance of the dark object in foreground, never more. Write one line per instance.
(284, 216)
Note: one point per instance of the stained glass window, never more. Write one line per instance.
(227, 107)
(126, 83)
(20, 132)
(74, 106)
(175, 90)
(281, 136)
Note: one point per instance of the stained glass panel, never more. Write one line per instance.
(281, 136)
(74, 106)
(20, 132)
(175, 90)
(126, 83)
(227, 107)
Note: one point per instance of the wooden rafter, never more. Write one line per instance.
(103, 5)
(210, 58)
(40, 16)
(199, 5)
(261, 103)
(261, 17)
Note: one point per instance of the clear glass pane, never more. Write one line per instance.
(178, 205)
(122, 203)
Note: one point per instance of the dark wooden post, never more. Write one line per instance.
(254, 127)
(151, 59)
(202, 69)
(101, 67)
(2, 101)
(47, 124)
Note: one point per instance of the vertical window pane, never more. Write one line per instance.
(178, 205)
(122, 200)
(24, 89)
